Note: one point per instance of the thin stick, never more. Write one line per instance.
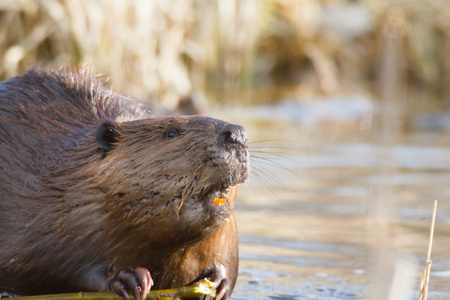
(426, 273)
(430, 243)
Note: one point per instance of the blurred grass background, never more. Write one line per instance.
(259, 51)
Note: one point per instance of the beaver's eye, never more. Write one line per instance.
(172, 134)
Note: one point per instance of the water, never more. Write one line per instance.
(306, 217)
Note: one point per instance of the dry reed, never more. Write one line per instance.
(426, 273)
(166, 49)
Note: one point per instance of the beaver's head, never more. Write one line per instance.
(169, 170)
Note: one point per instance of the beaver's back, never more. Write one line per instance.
(43, 112)
(61, 103)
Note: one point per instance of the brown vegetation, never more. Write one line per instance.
(166, 50)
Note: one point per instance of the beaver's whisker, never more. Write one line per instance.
(269, 177)
(278, 151)
(269, 153)
(292, 149)
(270, 162)
(267, 141)
(262, 177)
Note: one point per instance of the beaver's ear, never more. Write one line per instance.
(107, 135)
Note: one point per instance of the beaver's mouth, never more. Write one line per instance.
(216, 177)
(216, 197)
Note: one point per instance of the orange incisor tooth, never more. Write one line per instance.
(220, 201)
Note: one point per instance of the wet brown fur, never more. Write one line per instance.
(71, 214)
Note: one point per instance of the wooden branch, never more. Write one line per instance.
(197, 289)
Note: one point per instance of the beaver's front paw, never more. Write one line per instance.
(137, 280)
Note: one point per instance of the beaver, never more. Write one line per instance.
(99, 194)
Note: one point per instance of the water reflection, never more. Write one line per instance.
(305, 221)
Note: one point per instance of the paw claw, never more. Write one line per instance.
(221, 283)
(134, 279)
(222, 290)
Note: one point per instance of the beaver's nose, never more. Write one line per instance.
(231, 133)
